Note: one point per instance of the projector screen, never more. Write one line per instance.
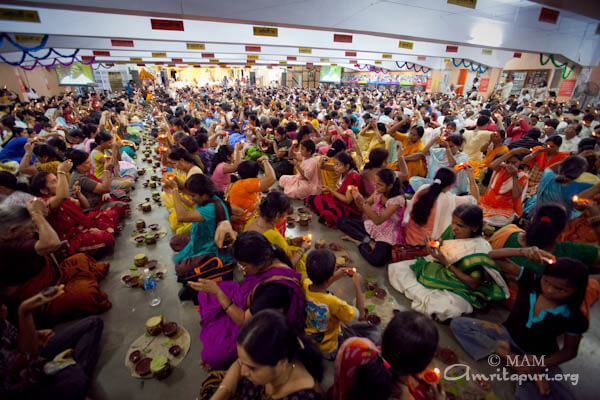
(330, 74)
(76, 74)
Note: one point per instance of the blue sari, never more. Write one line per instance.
(550, 191)
(202, 239)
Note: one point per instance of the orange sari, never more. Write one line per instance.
(498, 200)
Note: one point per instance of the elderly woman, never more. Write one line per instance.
(19, 247)
(85, 233)
(269, 283)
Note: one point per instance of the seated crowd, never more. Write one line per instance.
(470, 204)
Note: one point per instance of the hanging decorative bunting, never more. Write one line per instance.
(40, 46)
(471, 65)
(564, 66)
(413, 67)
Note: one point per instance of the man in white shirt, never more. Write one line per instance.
(507, 88)
(570, 138)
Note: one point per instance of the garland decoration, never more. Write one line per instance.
(471, 64)
(40, 46)
(564, 66)
(413, 67)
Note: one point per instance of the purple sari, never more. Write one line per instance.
(219, 332)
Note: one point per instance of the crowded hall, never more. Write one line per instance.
(299, 200)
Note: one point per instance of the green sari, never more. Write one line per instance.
(434, 275)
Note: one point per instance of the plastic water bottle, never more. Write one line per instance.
(150, 288)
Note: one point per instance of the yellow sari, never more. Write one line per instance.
(417, 167)
(178, 227)
(275, 237)
(329, 178)
(478, 166)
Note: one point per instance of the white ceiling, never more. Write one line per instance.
(376, 26)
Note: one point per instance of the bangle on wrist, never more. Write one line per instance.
(229, 305)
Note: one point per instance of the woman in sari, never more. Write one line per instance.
(273, 211)
(287, 367)
(269, 283)
(96, 191)
(542, 157)
(503, 200)
(364, 371)
(331, 205)
(427, 213)
(85, 232)
(538, 245)
(185, 166)
(458, 276)
(559, 183)
(38, 269)
(106, 148)
(46, 156)
(208, 212)
(491, 149)
(412, 144)
(307, 181)
(243, 193)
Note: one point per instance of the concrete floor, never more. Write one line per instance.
(125, 321)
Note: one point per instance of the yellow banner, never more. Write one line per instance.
(405, 45)
(333, 65)
(28, 38)
(159, 54)
(386, 56)
(121, 62)
(464, 3)
(171, 65)
(13, 14)
(487, 52)
(265, 31)
(136, 59)
(304, 50)
(282, 62)
(377, 62)
(252, 57)
(195, 46)
(214, 60)
(324, 59)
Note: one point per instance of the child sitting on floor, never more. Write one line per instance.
(546, 308)
(324, 311)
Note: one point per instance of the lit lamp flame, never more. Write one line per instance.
(460, 166)
(432, 376)
(548, 260)
(163, 149)
(350, 271)
(169, 176)
(581, 201)
(434, 243)
(307, 238)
